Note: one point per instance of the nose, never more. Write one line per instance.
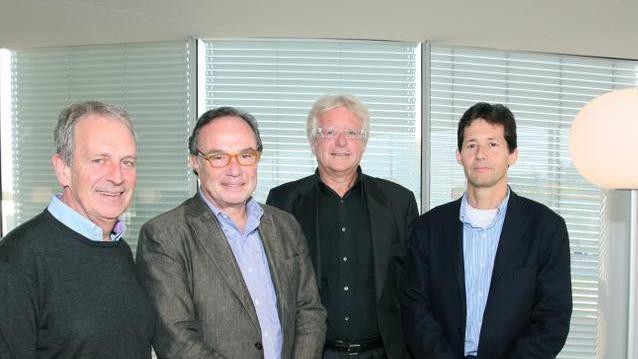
(341, 139)
(115, 174)
(233, 168)
(481, 152)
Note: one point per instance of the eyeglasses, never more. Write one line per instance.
(349, 133)
(221, 159)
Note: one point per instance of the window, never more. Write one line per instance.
(544, 92)
(151, 81)
(278, 81)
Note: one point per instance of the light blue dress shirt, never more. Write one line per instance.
(479, 251)
(78, 223)
(253, 264)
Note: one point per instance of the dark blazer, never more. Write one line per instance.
(185, 263)
(529, 303)
(392, 208)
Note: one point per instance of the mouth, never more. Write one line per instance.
(111, 194)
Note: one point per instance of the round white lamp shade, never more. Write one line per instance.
(603, 140)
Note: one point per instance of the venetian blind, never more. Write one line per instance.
(544, 92)
(277, 81)
(151, 81)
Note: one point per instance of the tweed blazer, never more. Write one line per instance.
(204, 308)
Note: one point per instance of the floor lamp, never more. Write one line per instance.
(603, 143)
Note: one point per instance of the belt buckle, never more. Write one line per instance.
(353, 349)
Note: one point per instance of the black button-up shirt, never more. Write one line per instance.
(347, 280)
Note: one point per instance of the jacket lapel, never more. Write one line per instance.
(206, 229)
(278, 274)
(511, 235)
(306, 211)
(453, 234)
(381, 226)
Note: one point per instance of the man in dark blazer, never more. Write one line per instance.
(229, 277)
(488, 275)
(356, 227)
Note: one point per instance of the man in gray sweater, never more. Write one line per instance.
(78, 269)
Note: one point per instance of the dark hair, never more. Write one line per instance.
(496, 114)
(210, 115)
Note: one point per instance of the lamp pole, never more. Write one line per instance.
(633, 252)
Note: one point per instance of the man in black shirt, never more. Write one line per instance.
(356, 227)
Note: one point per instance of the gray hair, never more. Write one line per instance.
(225, 111)
(329, 102)
(72, 114)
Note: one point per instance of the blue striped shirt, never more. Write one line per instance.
(253, 264)
(80, 224)
(479, 251)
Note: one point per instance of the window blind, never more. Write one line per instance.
(544, 92)
(277, 81)
(151, 81)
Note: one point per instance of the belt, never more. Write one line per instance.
(471, 357)
(354, 347)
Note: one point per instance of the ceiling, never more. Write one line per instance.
(587, 27)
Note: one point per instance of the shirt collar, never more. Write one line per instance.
(253, 210)
(500, 211)
(357, 184)
(80, 224)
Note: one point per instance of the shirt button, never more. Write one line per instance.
(483, 236)
(346, 288)
(256, 303)
(343, 229)
(341, 201)
(345, 259)
(482, 265)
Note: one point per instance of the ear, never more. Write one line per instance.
(194, 163)
(62, 170)
(512, 157)
(458, 157)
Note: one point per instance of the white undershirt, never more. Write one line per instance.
(480, 217)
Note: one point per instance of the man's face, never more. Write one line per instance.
(100, 181)
(340, 154)
(484, 155)
(227, 187)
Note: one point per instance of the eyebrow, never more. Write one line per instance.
(218, 150)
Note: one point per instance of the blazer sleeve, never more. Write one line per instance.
(310, 328)
(163, 274)
(551, 314)
(424, 336)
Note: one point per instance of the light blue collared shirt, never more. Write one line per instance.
(80, 224)
(479, 251)
(252, 261)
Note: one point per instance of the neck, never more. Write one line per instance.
(339, 182)
(486, 197)
(105, 225)
(238, 215)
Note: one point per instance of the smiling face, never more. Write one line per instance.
(99, 182)
(339, 156)
(485, 156)
(227, 187)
